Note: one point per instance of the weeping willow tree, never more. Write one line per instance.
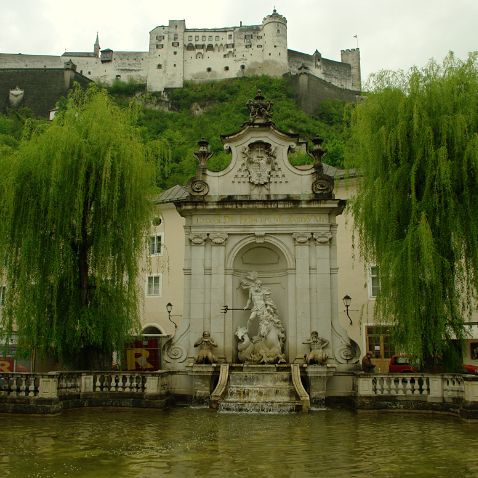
(74, 211)
(415, 142)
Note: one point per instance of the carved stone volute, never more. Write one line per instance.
(199, 187)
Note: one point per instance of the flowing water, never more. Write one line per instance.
(186, 442)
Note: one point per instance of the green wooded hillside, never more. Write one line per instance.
(209, 110)
(171, 129)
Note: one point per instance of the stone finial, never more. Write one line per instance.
(203, 153)
(323, 185)
(260, 110)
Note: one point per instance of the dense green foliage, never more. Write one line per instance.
(213, 109)
(71, 194)
(416, 145)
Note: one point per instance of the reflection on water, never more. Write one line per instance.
(201, 442)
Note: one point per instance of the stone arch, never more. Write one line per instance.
(255, 239)
(152, 329)
(271, 260)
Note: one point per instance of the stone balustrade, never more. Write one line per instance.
(439, 392)
(50, 392)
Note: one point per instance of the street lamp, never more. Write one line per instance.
(347, 300)
(169, 308)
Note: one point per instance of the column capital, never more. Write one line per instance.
(323, 237)
(197, 238)
(218, 238)
(301, 238)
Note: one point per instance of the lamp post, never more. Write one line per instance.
(347, 300)
(169, 308)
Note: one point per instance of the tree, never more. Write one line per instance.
(74, 212)
(415, 143)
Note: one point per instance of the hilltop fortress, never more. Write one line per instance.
(177, 54)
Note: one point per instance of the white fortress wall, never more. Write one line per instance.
(123, 65)
(19, 60)
(177, 54)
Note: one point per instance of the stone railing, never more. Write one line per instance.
(17, 389)
(396, 390)
(20, 384)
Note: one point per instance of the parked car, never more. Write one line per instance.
(401, 364)
(468, 368)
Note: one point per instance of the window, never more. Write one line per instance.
(248, 46)
(175, 43)
(208, 69)
(153, 287)
(156, 245)
(159, 46)
(190, 38)
(159, 37)
(3, 290)
(373, 281)
(259, 46)
(209, 38)
(175, 38)
(204, 38)
(226, 68)
(216, 38)
(378, 341)
(229, 36)
(243, 67)
(159, 66)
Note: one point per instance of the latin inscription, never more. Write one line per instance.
(262, 220)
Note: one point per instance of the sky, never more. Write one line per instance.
(391, 34)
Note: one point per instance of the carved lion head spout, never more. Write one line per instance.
(15, 96)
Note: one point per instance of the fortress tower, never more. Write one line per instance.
(274, 31)
(352, 57)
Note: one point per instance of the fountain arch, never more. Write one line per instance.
(271, 261)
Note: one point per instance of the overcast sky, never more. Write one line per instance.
(392, 34)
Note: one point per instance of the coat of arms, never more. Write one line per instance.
(259, 161)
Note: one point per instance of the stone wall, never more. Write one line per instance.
(310, 91)
(42, 88)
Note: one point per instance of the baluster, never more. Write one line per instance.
(401, 386)
(30, 386)
(97, 382)
(408, 390)
(374, 385)
(22, 387)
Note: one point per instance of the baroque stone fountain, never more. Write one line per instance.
(264, 383)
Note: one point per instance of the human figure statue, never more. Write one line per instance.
(367, 365)
(257, 298)
(317, 345)
(267, 345)
(205, 344)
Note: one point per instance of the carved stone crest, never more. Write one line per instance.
(259, 160)
(15, 96)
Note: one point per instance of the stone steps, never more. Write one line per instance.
(260, 389)
(260, 407)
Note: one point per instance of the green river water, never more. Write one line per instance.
(187, 442)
